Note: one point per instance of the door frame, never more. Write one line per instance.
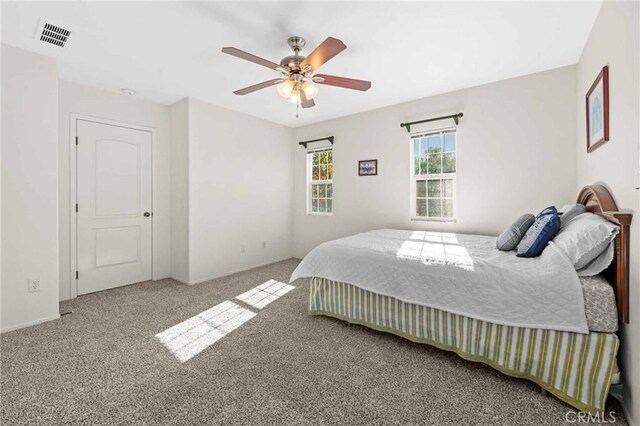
(73, 194)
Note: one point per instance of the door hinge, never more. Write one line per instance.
(76, 140)
(76, 207)
(76, 275)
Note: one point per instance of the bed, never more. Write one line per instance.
(529, 318)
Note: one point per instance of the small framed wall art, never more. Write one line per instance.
(597, 104)
(367, 167)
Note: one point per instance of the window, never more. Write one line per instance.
(434, 175)
(320, 181)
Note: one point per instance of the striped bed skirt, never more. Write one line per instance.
(577, 368)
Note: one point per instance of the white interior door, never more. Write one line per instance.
(114, 196)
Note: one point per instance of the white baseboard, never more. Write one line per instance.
(226, 274)
(30, 323)
(179, 279)
(626, 414)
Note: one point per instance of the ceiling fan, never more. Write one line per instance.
(297, 83)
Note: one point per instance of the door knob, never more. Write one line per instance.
(147, 214)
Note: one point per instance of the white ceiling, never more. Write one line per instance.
(409, 50)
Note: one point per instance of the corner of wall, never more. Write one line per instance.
(237, 216)
(179, 166)
(30, 235)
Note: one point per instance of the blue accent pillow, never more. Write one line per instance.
(542, 231)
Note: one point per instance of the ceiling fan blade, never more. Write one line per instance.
(347, 83)
(258, 86)
(327, 50)
(249, 57)
(304, 102)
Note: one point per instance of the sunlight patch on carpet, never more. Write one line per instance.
(190, 337)
(265, 293)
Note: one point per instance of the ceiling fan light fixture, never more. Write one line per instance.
(310, 90)
(285, 88)
(295, 97)
(299, 83)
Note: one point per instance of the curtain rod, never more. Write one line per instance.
(328, 138)
(444, 117)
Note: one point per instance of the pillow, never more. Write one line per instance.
(598, 264)
(511, 236)
(585, 238)
(545, 227)
(570, 211)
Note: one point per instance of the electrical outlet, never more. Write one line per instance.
(243, 248)
(34, 285)
(264, 244)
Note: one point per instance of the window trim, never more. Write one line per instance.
(310, 181)
(413, 178)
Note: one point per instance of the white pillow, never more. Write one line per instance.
(598, 264)
(570, 211)
(584, 239)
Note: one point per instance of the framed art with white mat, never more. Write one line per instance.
(597, 109)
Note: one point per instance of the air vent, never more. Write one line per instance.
(53, 34)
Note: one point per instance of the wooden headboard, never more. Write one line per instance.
(597, 199)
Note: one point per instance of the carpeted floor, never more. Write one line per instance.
(103, 365)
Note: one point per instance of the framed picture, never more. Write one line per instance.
(597, 100)
(367, 168)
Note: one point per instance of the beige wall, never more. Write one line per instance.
(614, 41)
(180, 190)
(238, 189)
(514, 156)
(29, 187)
(98, 103)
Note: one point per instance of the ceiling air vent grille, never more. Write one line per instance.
(54, 34)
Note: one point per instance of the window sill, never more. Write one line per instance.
(434, 219)
(319, 214)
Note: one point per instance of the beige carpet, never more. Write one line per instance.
(103, 365)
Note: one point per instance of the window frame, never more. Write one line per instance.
(434, 176)
(311, 182)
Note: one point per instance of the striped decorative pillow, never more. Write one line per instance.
(511, 236)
